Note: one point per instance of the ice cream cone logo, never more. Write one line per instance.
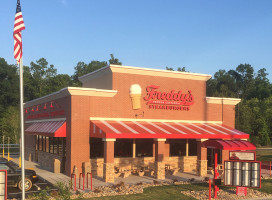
(135, 92)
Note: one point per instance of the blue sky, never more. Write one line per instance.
(202, 35)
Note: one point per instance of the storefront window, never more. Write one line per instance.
(60, 146)
(46, 144)
(144, 147)
(210, 157)
(177, 147)
(123, 148)
(96, 148)
(40, 143)
(55, 142)
(51, 145)
(192, 147)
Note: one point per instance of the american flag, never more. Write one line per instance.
(18, 27)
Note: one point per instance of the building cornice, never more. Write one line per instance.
(72, 91)
(222, 100)
(146, 71)
(151, 120)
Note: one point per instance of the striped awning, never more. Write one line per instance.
(149, 129)
(47, 128)
(229, 144)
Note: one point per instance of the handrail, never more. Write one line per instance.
(83, 177)
(91, 175)
(75, 181)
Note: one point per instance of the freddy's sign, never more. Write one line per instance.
(173, 100)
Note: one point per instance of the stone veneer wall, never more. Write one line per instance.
(47, 160)
(190, 164)
(30, 154)
(186, 164)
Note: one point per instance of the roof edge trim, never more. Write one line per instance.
(223, 100)
(151, 120)
(72, 91)
(150, 72)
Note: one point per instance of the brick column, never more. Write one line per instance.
(201, 158)
(159, 158)
(225, 156)
(77, 131)
(108, 166)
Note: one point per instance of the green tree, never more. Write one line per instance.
(183, 69)
(252, 120)
(41, 79)
(82, 69)
(114, 60)
(10, 124)
(9, 86)
(246, 72)
(222, 85)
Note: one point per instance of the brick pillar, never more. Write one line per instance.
(108, 166)
(225, 156)
(159, 158)
(77, 131)
(201, 159)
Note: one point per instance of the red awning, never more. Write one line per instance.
(175, 130)
(49, 128)
(229, 144)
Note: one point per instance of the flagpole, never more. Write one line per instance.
(22, 128)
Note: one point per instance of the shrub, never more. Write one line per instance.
(42, 195)
(64, 192)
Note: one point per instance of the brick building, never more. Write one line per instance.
(131, 117)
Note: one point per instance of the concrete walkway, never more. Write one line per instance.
(53, 178)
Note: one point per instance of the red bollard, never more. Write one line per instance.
(83, 177)
(75, 181)
(216, 189)
(210, 188)
(79, 179)
(270, 168)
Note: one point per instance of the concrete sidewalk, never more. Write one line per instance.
(53, 178)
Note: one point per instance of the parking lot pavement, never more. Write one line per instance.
(40, 185)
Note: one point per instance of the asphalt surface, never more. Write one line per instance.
(14, 192)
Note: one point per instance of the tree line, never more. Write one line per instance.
(253, 113)
(40, 79)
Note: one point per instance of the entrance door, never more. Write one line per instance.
(210, 156)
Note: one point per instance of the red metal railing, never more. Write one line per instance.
(73, 175)
(266, 168)
(91, 176)
(83, 180)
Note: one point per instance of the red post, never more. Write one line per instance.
(216, 174)
(75, 181)
(270, 168)
(210, 188)
(79, 179)
(83, 177)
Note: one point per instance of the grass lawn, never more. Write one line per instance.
(173, 192)
(266, 186)
(264, 155)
